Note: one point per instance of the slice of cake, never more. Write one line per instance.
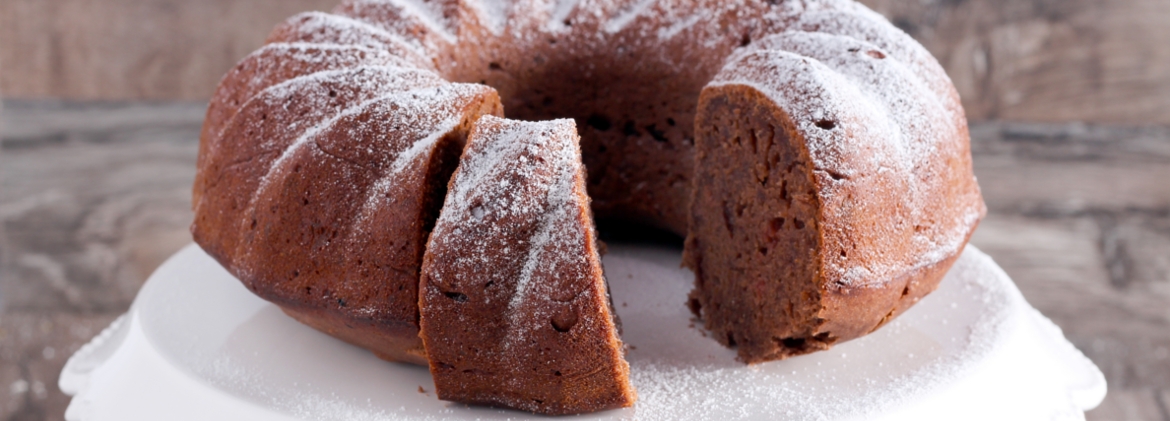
(515, 310)
(830, 194)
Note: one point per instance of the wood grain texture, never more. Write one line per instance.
(1048, 60)
(1052, 174)
(1099, 61)
(131, 49)
(92, 199)
(1080, 219)
(94, 196)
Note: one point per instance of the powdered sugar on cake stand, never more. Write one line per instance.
(197, 345)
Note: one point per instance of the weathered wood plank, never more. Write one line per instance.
(1081, 185)
(1063, 266)
(92, 199)
(1034, 60)
(1071, 168)
(89, 213)
(33, 349)
(1065, 250)
(131, 49)
(1046, 60)
(1130, 405)
(55, 121)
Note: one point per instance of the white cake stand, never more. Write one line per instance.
(196, 345)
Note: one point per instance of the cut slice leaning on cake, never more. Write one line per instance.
(515, 310)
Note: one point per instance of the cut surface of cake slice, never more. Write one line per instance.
(828, 198)
(514, 307)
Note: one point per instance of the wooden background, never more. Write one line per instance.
(1030, 60)
(131, 49)
(1070, 103)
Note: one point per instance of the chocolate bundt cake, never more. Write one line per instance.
(815, 157)
(515, 310)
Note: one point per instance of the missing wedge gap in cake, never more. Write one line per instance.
(445, 159)
(754, 229)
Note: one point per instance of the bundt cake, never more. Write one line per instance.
(815, 157)
(515, 310)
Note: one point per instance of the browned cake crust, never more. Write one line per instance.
(800, 239)
(771, 231)
(302, 242)
(816, 157)
(515, 309)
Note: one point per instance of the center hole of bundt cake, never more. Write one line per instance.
(634, 111)
(755, 199)
(652, 132)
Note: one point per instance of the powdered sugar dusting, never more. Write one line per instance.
(545, 158)
(521, 143)
(301, 58)
(867, 120)
(416, 21)
(919, 120)
(513, 248)
(495, 13)
(275, 117)
(318, 27)
(810, 92)
(432, 111)
(312, 132)
(560, 13)
(244, 355)
(559, 207)
(627, 15)
(672, 30)
(279, 62)
(366, 91)
(683, 376)
(866, 25)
